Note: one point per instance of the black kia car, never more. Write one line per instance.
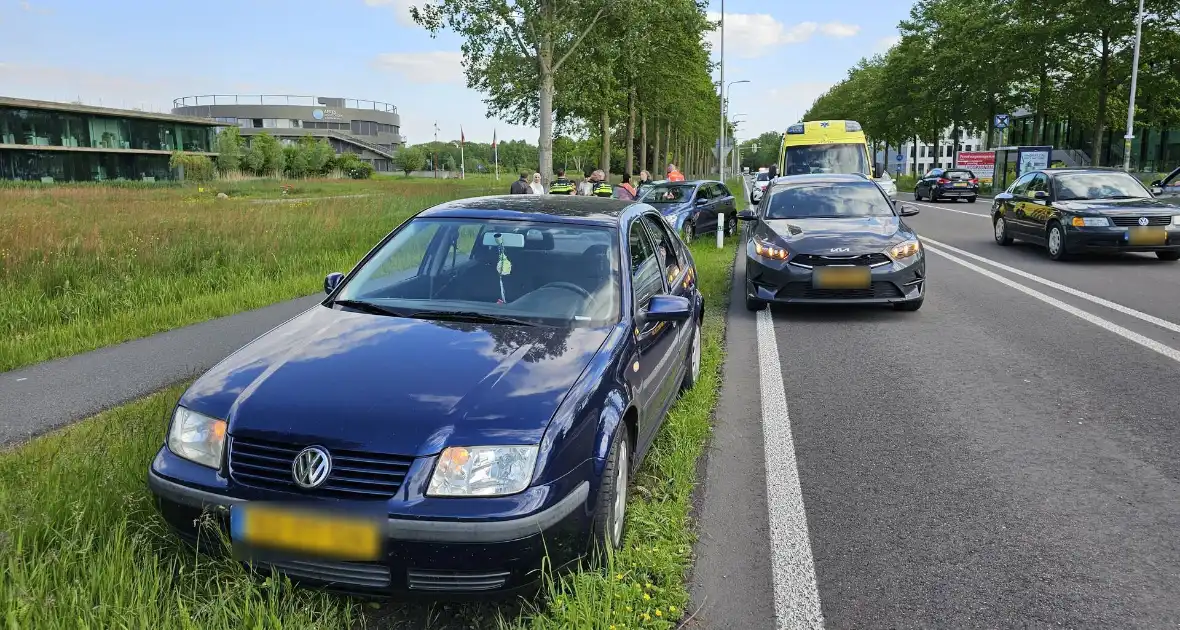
(1075, 210)
(832, 239)
(953, 183)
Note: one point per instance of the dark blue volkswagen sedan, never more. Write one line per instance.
(468, 400)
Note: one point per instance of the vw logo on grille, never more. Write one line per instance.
(311, 467)
(1143, 221)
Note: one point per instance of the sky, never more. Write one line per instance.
(145, 53)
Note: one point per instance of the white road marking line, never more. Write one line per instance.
(1125, 333)
(796, 596)
(1115, 306)
(25, 378)
(926, 205)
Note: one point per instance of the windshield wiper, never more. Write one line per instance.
(369, 307)
(470, 316)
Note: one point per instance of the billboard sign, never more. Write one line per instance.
(1032, 159)
(982, 163)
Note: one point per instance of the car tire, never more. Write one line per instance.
(731, 222)
(1000, 231)
(971, 200)
(910, 306)
(688, 232)
(692, 372)
(610, 511)
(1169, 256)
(933, 196)
(917, 195)
(1055, 242)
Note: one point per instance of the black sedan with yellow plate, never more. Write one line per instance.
(1076, 210)
(832, 239)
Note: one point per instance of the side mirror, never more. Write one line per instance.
(1157, 190)
(666, 308)
(700, 201)
(747, 215)
(1004, 196)
(332, 281)
(1040, 195)
(907, 210)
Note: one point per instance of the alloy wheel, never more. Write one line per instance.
(619, 513)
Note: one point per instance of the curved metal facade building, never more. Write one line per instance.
(370, 129)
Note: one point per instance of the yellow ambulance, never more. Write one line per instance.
(825, 146)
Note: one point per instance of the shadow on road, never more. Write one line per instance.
(836, 313)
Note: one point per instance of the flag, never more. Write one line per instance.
(462, 138)
(495, 148)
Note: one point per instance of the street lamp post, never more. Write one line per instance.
(724, 111)
(721, 109)
(1130, 135)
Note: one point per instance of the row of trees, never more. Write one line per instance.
(265, 156)
(961, 62)
(633, 75)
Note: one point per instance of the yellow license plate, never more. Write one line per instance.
(317, 533)
(961, 185)
(841, 278)
(1148, 236)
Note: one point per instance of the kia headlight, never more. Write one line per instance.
(484, 471)
(905, 250)
(197, 437)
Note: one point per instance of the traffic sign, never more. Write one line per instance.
(900, 158)
(1002, 121)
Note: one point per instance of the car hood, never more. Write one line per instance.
(1118, 206)
(818, 236)
(395, 385)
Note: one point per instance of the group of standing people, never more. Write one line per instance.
(596, 185)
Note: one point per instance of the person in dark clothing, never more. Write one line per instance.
(521, 186)
(561, 185)
(773, 171)
(626, 190)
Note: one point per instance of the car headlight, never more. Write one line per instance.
(197, 437)
(482, 471)
(1176, 220)
(1090, 222)
(905, 250)
(767, 250)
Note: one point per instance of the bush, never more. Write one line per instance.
(353, 166)
(197, 168)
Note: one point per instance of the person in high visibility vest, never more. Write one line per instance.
(674, 174)
(561, 185)
(600, 187)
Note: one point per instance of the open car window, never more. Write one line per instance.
(543, 273)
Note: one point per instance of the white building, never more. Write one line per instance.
(922, 156)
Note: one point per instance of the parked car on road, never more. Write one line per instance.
(1074, 210)
(691, 208)
(954, 183)
(1168, 187)
(472, 398)
(887, 184)
(832, 239)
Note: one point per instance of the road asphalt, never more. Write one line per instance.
(1008, 456)
(47, 395)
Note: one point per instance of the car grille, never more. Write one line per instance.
(815, 260)
(425, 580)
(804, 291)
(354, 475)
(1134, 221)
(355, 574)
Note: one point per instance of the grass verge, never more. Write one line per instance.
(83, 267)
(82, 546)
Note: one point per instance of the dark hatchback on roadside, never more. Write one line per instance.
(471, 399)
(692, 208)
(947, 184)
(832, 239)
(1076, 210)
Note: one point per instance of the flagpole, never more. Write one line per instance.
(462, 160)
(496, 154)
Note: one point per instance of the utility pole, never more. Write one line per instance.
(435, 147)
(1130, 135)
(721, 97)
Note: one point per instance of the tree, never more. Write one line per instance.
(410, 159)
(229, 150)
(197, 168)
(512, 51)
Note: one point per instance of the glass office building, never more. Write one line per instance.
(44, 141)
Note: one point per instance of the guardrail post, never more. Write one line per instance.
(720, 230)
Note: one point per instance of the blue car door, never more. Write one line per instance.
(706, 213)
(653, 340)
(675, 269)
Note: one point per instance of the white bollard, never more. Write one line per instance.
(720, 230)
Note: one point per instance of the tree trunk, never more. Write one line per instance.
(955, 145)
(1103, 97)
(604, 159)
(629, 163)
(643, 143)
(667, 148)
(655, 152)
(545, 141)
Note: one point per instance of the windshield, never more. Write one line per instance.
(762, 177)
(1113, 185)
(828, 201)
(667, 193)
(825, 158)
(959, 174)
(544, 273)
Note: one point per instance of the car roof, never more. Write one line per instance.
(822, 178)
(1051, 172)
(544, 208)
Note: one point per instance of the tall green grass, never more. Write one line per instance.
(87, 266)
